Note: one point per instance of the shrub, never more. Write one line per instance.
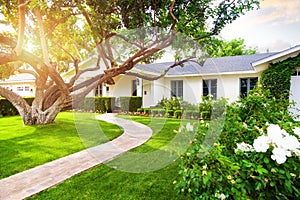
(234, 167)
(130, 104)
(158, 112)
(169, 113)
(175, 104)
(205, 107)
(146, 111)
(178, 114)
(140, 110)
(98, 104)
(7, 109)
(191, 114)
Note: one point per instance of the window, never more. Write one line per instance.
(134, 88)
(98, 91)
(210, 88)
(177, 88)
(247, 84)
(27, 88)
(20, 88)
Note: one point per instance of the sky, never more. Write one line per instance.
(274, 27)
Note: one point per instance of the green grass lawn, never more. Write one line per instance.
(24, 147)
(104, 182)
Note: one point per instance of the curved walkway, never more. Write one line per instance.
(35, 180)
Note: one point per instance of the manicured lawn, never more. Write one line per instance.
(24, 147)
(104, 182)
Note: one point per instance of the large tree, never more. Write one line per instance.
(64, 32)
(216, 47)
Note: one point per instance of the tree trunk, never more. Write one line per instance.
(34, 117)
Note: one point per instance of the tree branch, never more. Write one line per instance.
(42, 36)
(25, 71)
(173, 16)
(21, 31)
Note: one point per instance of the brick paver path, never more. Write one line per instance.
(32, 181)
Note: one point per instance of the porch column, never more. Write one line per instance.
(104, 91)
(139, 87)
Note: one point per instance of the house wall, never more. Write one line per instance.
(148, 95)
(229, 85)
(122, 87)
(13, 86)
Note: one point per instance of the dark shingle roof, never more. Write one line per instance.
(210, 66)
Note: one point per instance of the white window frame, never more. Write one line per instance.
(209, 85)
(176, 88)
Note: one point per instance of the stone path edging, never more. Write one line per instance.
(35, 180)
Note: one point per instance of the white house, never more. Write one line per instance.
(228, 77)
(22, 84)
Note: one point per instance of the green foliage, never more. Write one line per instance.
(169, 113)
(191, 114)
(130, 104)
(140, 110)
(175, 104)
(215, 47)
(214, 170)
(178, 114)
(158, 112)
(210, 108)
(7, 109)
(278, 76)
(98, 104)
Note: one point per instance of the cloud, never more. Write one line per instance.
(279, 12)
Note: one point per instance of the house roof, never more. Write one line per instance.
(272, 58)
(210, 66)
(19, 78)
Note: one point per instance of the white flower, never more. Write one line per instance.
(189, 127)
(297, 131)
(220, 196)
(290, 142)
(275, 133)
(279, 155)
(261, 144)
(244, 147)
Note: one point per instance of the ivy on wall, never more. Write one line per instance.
(278, 76)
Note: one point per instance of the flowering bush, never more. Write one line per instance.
(255, 154)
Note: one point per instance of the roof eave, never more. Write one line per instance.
(277, 55)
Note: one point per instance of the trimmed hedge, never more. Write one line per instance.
(191, 114)
(130, 104)
(178, 114)
(98, 104)
(169, 113)
(158, 111)
(7, 109)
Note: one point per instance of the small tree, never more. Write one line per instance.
(63, 33)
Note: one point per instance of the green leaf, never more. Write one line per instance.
(266, 160)
(261, 170)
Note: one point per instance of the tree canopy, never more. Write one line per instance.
(219, 48)
(46, 37)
